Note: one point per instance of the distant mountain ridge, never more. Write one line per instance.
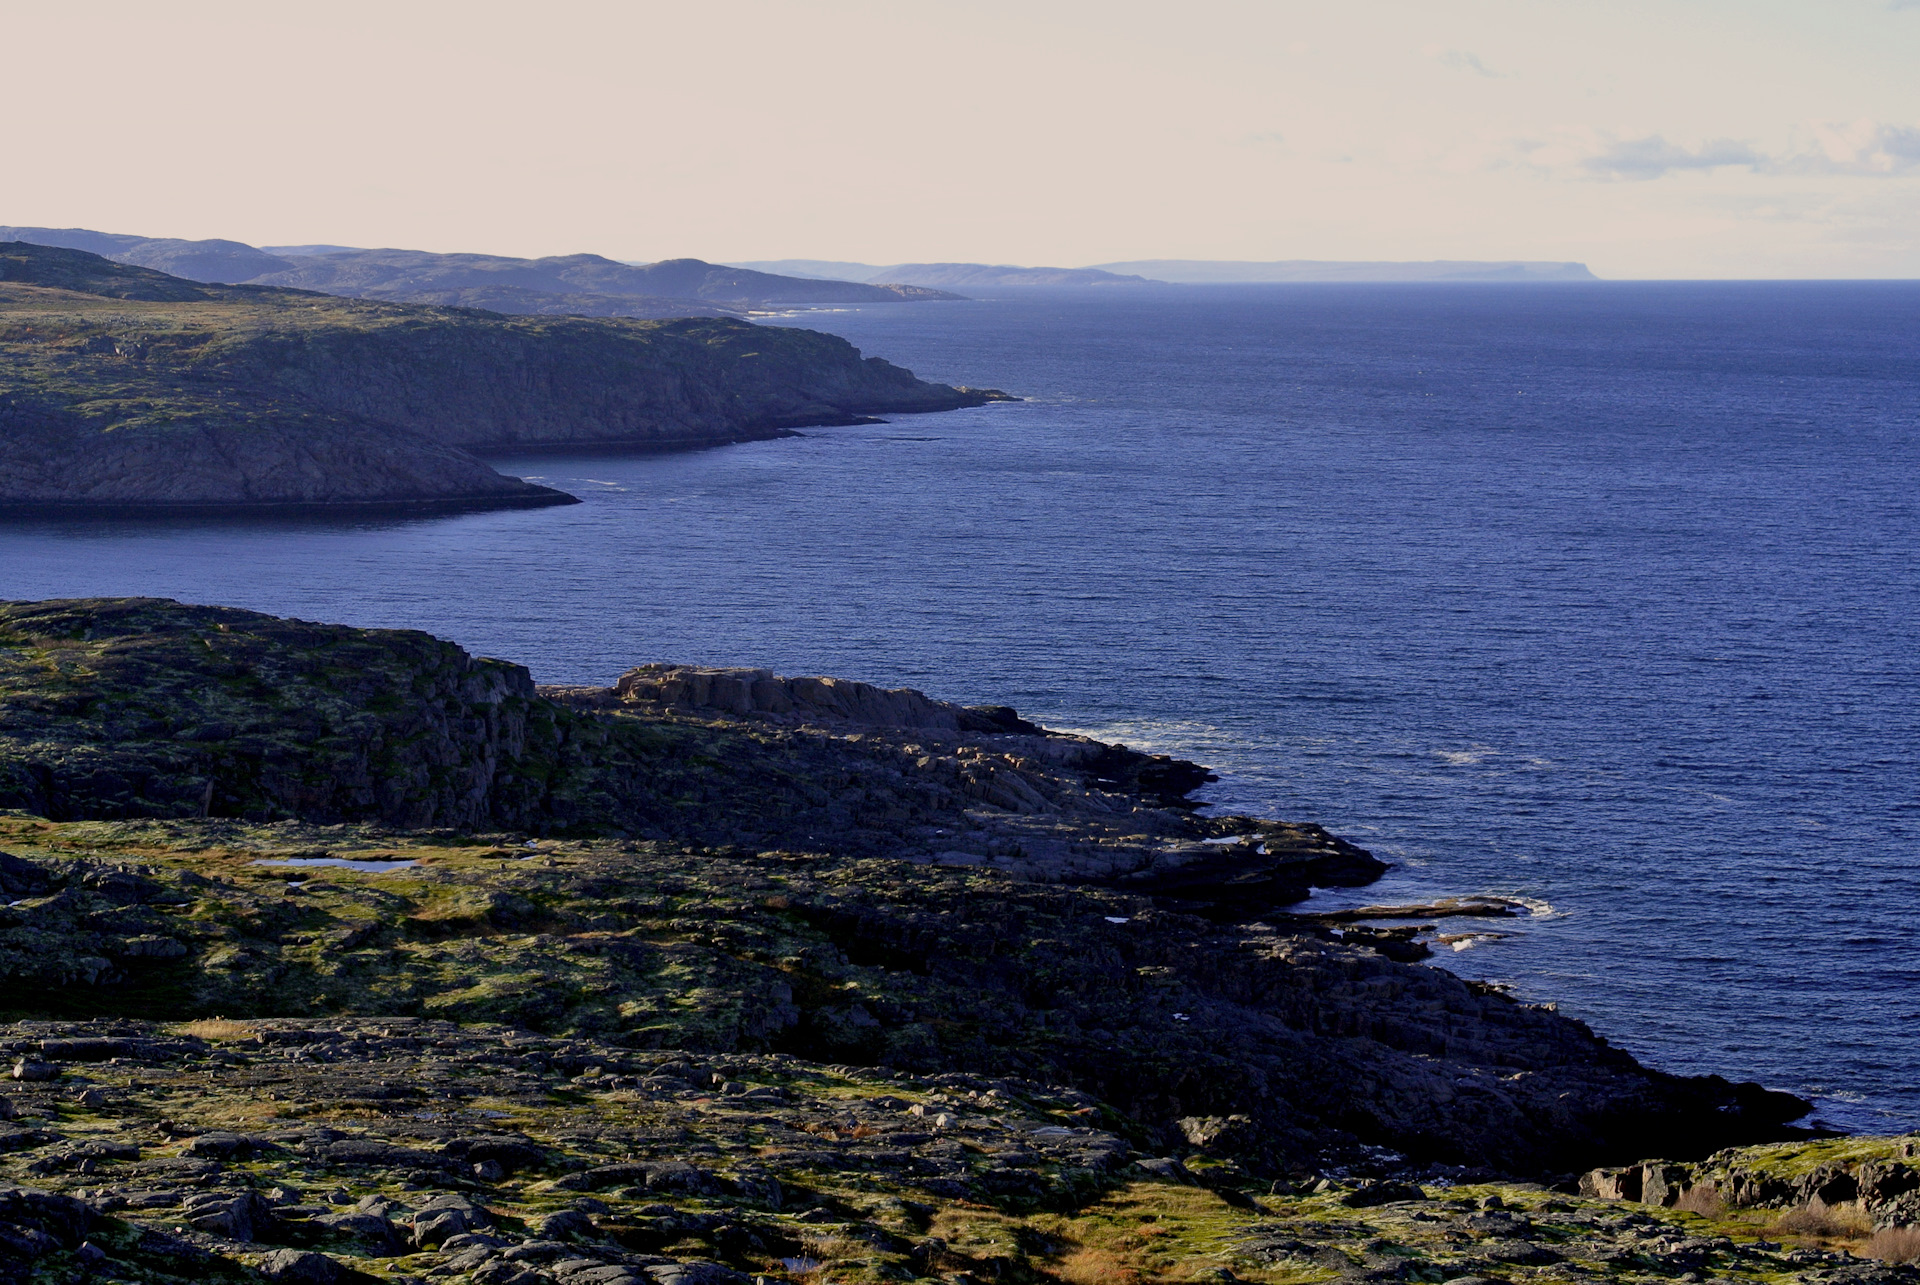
(980, 276)
(1249, 272)
(561, 285)
(962, 276)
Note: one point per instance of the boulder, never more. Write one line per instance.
(1369, 1194)
(1664, 1184)
(1167, 1169)
(445, 1217)
(221, 1145)
(694, 1272)
(568, 1224)
(379, 1236)
(301, 1267)
(1611, 1184)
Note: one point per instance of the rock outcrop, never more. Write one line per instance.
(1873, 1183)
(738, 691)
(1009, 902)
(145, 707)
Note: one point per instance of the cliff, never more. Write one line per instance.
(128, 388)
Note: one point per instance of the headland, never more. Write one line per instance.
(127, 391)
(340, 954)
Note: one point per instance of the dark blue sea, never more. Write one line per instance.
(1605, 597)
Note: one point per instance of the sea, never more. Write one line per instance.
(1604, 598)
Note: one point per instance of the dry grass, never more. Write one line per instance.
(1823, 1222)
(1703, 1200)
(1085, 1265)
(1894, 1245)
(217, 1028)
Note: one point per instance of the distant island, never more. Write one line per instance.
(127, 390)
(1148, 272)
(578, 285)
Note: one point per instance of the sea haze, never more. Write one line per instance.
(1603, 596)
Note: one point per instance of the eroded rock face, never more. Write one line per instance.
(1864, 1180)
(761, 691)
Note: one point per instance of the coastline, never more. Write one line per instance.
(130, 392)
(406, 506)
(561, 972)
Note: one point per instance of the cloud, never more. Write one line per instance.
(1864, 147)
(1653, 156)
(1461, 60)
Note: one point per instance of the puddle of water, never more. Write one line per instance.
(346, 863)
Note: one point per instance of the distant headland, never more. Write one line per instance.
(125, 390)
(1149, 272)
(577, 285)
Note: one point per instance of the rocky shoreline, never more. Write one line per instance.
(336, 954)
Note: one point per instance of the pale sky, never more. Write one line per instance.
(1647, 138)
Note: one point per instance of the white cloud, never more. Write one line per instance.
(1864, 147)
(1461, 60)
(1653, 156)
(1858, 149)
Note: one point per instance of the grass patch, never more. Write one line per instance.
(218, 1029)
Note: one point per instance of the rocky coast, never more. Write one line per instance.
(124, 390)
(331, 954)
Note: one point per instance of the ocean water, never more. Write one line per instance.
(1604, 597)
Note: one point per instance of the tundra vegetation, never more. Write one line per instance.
(331, 954)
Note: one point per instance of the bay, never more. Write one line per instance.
(1602, 596)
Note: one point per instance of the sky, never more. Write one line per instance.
(1658, 139)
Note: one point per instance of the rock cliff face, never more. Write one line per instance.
(126, 388)
(233, 459)
(699, 689)
(484, 383)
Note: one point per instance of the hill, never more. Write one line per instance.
(578, 284)
(129, 389)
(962, 276)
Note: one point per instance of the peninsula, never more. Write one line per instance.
(340, 955)
(128, 390)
